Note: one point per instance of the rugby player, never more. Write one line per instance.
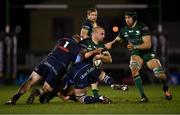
(141, 52)
(86, 31)
(52, 67)
(85, 73)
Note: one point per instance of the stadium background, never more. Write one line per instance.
(35, 25)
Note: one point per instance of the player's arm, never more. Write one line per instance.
(84, 33)
(91, 53)
(80, 56)
(113, 43)
(105, 57)
(146, 37)
(145, 45)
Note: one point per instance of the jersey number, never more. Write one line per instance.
(65, 45)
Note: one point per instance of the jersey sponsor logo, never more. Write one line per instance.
(153, 55)
(83, 75)
(137, 32)
(90, 48)
(125, 34)
(130, 31)
(87, 72)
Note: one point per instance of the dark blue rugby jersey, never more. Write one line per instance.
(88, 25)
(66, 51)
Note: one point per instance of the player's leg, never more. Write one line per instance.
(48, 86)
(83, 98)
(67, 88)
(103, 77)
(53, 76)
(81, 80)
(99, 74)
(46, 98)
(135, 65)
(33, 79)
(51, 83)
(67, 93)
(39, 92)
(95, 89)
(64, 91)
(155, 66)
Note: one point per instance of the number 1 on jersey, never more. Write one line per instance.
(65, 45)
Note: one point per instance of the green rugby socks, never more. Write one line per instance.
(138, 84)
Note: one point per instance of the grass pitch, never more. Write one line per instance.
(123, 103)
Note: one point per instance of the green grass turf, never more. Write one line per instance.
(123, 102)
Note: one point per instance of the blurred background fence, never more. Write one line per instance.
(30, 28)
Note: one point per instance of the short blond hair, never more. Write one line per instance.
(91, 10)
(97, 28)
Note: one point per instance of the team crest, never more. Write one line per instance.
(153, 55)
(137, 32)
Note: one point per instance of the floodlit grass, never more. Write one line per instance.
(123, 102)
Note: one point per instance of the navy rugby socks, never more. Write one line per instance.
(108, 80)
(90, 99)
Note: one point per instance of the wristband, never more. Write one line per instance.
(135, 47)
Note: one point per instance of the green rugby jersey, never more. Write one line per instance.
(90, 45)
(134, 35)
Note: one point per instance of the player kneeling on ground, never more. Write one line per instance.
(81, 75)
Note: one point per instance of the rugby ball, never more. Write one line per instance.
(97, 62)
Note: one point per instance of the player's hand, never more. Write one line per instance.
(130, 46)
(98, 56)
(97, 51)
(117, 39)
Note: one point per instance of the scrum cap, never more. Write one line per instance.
(132, 14)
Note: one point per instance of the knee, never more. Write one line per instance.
(47, 88)
(134, 72)
(30, 81)
(135, 67)
(161, 76)
(159, 73)
(102, 75)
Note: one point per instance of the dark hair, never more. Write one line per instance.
(91, 10)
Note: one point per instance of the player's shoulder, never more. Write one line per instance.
(123, 28)
(60, 41)
(101, 44)
(143, 26)
(87, 22)
(69, 39)
(85, 42)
